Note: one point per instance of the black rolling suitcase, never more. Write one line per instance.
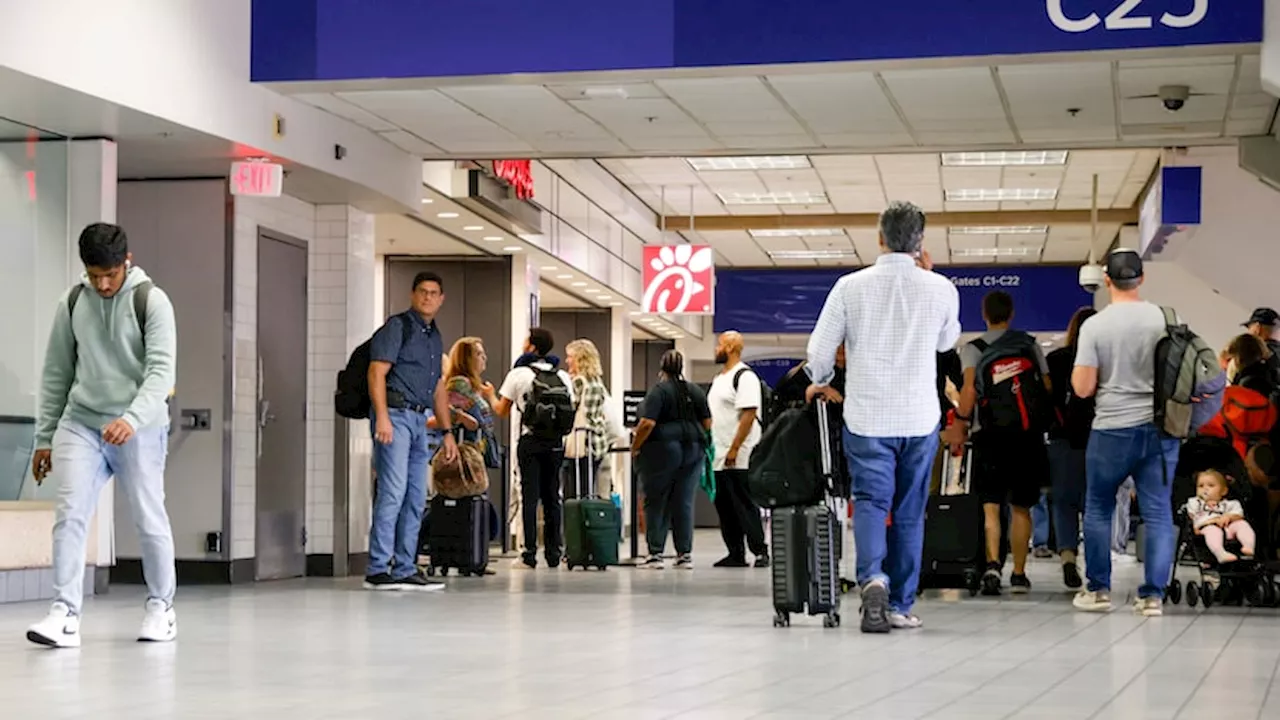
(457, 536)
(954, 529)
(806, 551)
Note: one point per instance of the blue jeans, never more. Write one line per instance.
(1149, 457)
(1067, 474)
(890, 475)
(669, 495)
(1040, 521)
(82, 464)
(400, 494)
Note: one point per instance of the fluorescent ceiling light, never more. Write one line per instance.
(803, 197)
(427, 201)
(797, 232)
(579, 284)
(605, 297)
(615, 303)
(512, 249)
(1001, 194)
(1000, 230)
(494, 238)
(550, 268)
(447, 215)
(812, 254)
(1005, 158)
(992, 252)
(473, 228)
(757, 162)
(564, 277)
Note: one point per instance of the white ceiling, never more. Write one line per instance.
(1024, 101)
(866, 183)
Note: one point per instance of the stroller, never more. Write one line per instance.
(1248, 580)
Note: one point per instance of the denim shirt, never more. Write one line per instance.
(415, 358)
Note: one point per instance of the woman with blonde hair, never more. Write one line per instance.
(593, 433)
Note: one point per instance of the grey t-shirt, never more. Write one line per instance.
(1121, 342)
(970, 356)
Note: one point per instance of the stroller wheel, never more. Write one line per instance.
(1174, 592)
(1193, 594)
(1261, 595)
(1207, 595)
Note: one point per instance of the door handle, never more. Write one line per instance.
(265, 417)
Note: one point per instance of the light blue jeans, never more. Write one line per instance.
(1040, 521)
(400, 493)
(82, 464)
(1149, 457)
(890, 475)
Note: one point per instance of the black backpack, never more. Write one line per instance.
(351, 399)
(1010, 385)
(786, 467)
(766, 412)
(548, 409)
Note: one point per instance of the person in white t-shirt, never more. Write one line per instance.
(540, 451)
(736, 404)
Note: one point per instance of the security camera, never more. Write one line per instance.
(1174, 97)
(1091, 278)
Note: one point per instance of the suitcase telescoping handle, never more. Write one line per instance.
(577, 464)
(824, 441)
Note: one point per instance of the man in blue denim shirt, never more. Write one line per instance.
(406, 370)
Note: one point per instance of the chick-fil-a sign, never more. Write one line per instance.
(516, 173)
(678, 279)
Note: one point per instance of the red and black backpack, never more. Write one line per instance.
(1011, 391)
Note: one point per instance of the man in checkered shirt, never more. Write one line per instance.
(893, 318)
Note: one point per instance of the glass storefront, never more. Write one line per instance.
(37, 259)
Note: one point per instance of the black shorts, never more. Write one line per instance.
(1009, 467)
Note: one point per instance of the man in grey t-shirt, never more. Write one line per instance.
(1115, 360)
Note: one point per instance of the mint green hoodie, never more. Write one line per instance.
(100, 373)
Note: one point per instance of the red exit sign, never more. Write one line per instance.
(258, 179)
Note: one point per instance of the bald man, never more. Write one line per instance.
(736, 401)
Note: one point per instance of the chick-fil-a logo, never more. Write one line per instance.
(678, 279)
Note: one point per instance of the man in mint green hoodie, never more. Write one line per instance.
(108, 373)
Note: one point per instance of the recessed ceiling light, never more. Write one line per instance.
(564, 277)
(494, 238)
(447, 215)
(473, 228)
(427, 201)
(604, 297)
(760, 162)
(1000, 230)
(615, 303)
(812, 254)
(1001, 194)
(579, 284)
(550, 268)
(992, 252)
(797, 232)
(802, 197)
(512, 248)
(1005, 157)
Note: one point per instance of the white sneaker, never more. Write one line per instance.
(655, 562)
(903, 621)
(59, 629)
(160, 623)
(1123, 559)
(1090, 601)
(1148, 607)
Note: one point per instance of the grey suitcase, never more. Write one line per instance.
(806, 552)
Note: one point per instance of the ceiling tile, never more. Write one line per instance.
(1040, 96)
(346, 110)
(840, 103)
(936, 98)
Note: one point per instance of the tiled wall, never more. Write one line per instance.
(340, 242)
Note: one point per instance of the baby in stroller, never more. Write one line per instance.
(1216, 518)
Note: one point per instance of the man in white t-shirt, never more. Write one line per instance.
(540, 451)
(736, 404)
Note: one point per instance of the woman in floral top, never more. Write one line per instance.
(471, 399)
(588, 444)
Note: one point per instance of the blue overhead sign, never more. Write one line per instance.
(789, 301)
(301, 40)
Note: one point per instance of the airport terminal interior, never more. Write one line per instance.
(646, 176)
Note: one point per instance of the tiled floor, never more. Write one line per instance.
(629, 644)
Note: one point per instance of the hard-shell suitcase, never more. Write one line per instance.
(955, 545)
(592, 525)
(457, 536)
(806, 551)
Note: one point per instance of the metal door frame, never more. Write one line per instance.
(270, 234)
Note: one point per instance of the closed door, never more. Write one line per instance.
(282, 408)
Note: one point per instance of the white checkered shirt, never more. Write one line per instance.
(893, 319)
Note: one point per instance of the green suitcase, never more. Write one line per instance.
(592, 527)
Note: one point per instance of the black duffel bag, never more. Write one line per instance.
(786, 467)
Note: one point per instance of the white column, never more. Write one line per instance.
(620, 372)
(521, 295)
(91, 198)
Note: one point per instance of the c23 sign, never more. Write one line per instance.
(1127, 15)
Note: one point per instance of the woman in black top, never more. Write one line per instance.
(669, 447)
(1068, 438)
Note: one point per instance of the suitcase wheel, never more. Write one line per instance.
(781, 619)
(831, 621)
(847, 586)
(444, 572)
(568, 566)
